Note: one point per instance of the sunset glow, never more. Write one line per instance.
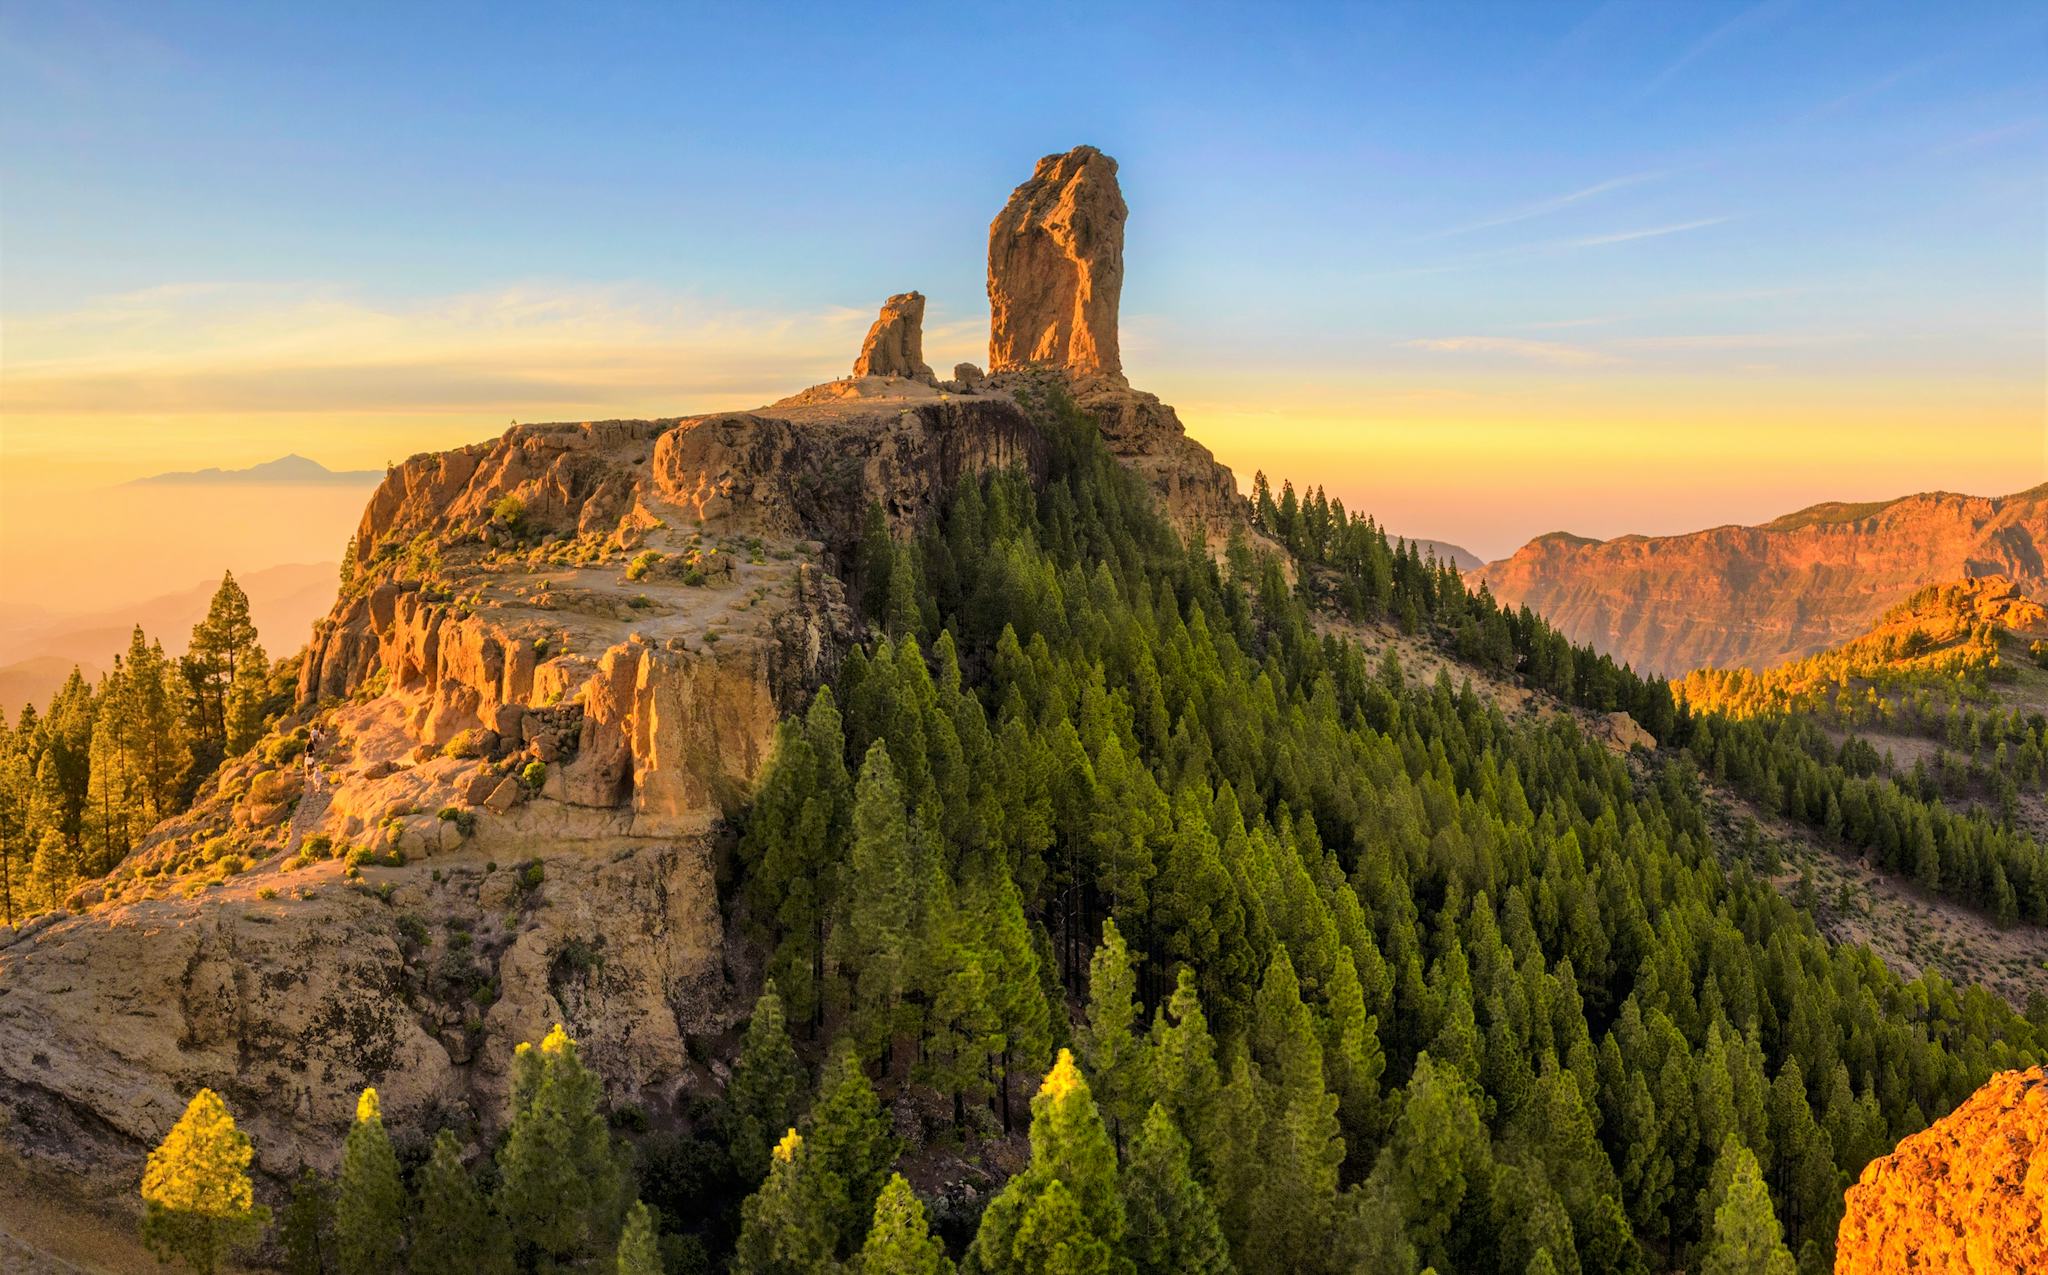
(1711, 287)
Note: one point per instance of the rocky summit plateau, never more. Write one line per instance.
(560, 657)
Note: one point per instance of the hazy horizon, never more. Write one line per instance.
(1646, 270)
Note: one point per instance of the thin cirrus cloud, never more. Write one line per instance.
(1564, 354)
(208, 348)
(1552, 353)
(1647, 232)
(1544, 207)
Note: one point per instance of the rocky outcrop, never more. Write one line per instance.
(1967, 1194)
(895, 344)
(1056, 268)
(1146, 435)
(1758, 596)
(809, 465)
(290, 1005)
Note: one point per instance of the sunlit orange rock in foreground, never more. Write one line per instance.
(1967, 1194)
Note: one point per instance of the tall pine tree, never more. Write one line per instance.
(369, 1208)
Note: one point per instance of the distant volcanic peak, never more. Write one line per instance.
(1968, 1193)
(288, 469)
(1056, 268)
(895, 344)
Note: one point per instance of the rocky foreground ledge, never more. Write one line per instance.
(1967, 1194)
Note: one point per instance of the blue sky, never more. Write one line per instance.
(1371, 241)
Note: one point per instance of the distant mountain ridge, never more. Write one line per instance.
(1458, 556)
(1754, 597)
(289, 469)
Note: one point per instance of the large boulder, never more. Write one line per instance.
(895, 344)
(1967, 1194)
(1056, 268)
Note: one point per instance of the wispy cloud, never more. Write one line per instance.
(1751, 19)
(1647, 232)
(1553, 353)
(1991, 136)
(1544, 207)
(208, 348)
(1689, 341)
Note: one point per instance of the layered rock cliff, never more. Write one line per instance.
(1967, 1194)
(1758, 596)
(561, 660)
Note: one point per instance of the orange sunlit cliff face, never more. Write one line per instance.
(1968, 1194)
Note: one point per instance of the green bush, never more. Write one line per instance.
(465, 820)
(643, 562)
(509, 514)
(534, 775)
(469, 743)
(388, 858)
(530, 879)
(285, 748)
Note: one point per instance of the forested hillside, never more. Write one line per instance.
(1344, 970)
(82, 780)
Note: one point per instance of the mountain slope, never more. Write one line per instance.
(1952, 637)
(1757, 596)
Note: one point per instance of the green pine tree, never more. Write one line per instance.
(453, 1231)
(1109, 1047)
(369, 1209)
(1436, 1163)
(785, 1228)
(1745, 1238)
(874, 933)
(559, 1178)
(221, 645)
(1301, 1145)
(198, 1205)
(639, 1252)
(766, 1087)
(1054, 1238)
(900, 1241)
(848, 1138)
(1186, 1080)
(305, 1228)
(1170, 1226)
(1065, 1203)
